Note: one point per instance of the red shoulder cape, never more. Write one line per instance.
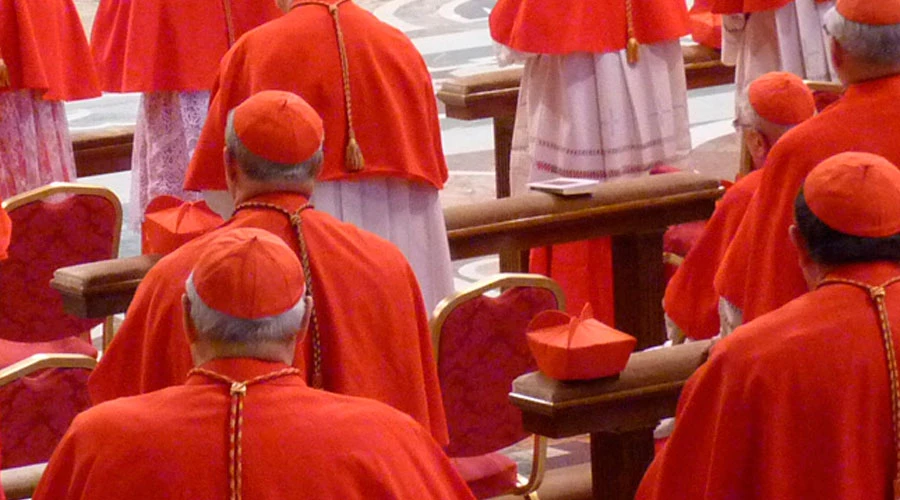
(795, 405)
(44, 46)
(374, 328)
(168, 45)
(563, 27)
(706, 27)
(393, 103)
(691, 299)
(760, 271)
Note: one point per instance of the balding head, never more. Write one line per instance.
(865, 38)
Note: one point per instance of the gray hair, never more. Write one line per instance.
(261, 169)
(221, 327)
(879, 44)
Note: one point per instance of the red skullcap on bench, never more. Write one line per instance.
(781, 98)
(249, 273)
(874, 12)
(279, 126)
(856, 194)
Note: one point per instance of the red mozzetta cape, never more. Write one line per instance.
(44, 47)
(296, 443)
(372, 321)
(563, 27)
(393, 103)
(760, 272)
(706, 27)
(691, 300)
(168, 45)
(747, 6)
(795, 404)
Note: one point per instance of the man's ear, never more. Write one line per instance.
(307, 314)
(757, 145)
(189, 329)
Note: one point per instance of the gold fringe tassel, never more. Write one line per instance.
(632, 48)
(4, 74)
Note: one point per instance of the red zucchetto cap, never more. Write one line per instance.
(169, 222)
(5, 232)
(874, 12)
(856, 194)
(577, 348)
(249, 273)
(781, 98)
(279, 126)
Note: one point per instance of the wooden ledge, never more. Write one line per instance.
(114, 281)
(646, 391)
(535, 219)
(103, 151)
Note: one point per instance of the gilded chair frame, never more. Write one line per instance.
(77, 189)
(526, 487)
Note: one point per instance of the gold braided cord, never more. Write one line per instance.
(354, 160)
(877, 293)
(632, 48)
(317, 378)
(229, 21)
(236, 419)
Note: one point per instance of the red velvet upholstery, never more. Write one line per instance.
(679, 239)
(48, 235)
(487, 475)
(482, 349)
(36, 410)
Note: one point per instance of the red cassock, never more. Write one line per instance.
(374, 331)
(396, 124)
(44, 47)
(168, 45)
(760, 271)
(691, 299)
(296, 442)
(557, 27)
(796, 404)
(706, 27)
(749, 6)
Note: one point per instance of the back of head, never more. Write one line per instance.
(869, 32)
(847, 210)
(275, 136)
(247, 287)
(773, 104)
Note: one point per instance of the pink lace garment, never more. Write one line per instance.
(35, 147)
(166, 133)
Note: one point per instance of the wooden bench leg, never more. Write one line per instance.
(618, 462)
(638, 286)
(503, 130)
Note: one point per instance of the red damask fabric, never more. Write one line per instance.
(46, 236)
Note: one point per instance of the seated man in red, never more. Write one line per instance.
(369, 335)
(245, 424)
(774, 103)
(801, 402)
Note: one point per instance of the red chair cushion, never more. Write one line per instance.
(45, 237)
(487, 475)
(482, 349)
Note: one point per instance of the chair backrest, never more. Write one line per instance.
(480, 348)
(57, 225)
(39, 397)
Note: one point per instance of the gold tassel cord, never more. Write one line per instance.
(877, 293)
(632, 48)
(229, 21)
(317, 378)
(354, 160)
(236, 419)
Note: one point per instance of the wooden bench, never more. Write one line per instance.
(619, 413)
(103, 151)
(635, 213)
(20, 482)
(493, 94)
